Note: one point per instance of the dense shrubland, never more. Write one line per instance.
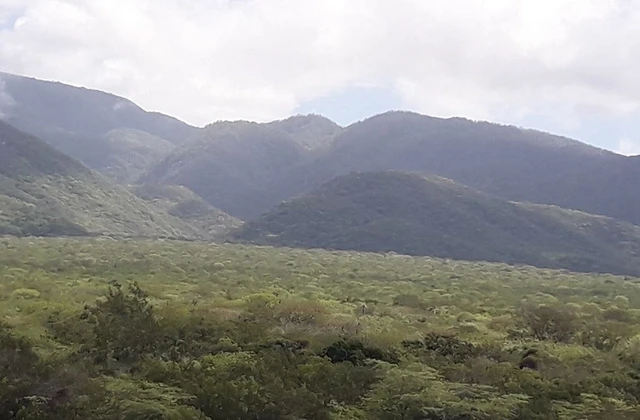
(101, 329)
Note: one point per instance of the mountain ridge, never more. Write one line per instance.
(506, 161)
(75, 120)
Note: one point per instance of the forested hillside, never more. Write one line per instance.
(46, 193)
(184, 204)
(513, 163)
(414, 215)
(236, 166)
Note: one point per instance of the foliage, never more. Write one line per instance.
(103, 329)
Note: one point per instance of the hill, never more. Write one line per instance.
(236, 166)
(512, 163)
(181, 202)
(77, 121)
(46, 193)
(414, 215)
(131, 152)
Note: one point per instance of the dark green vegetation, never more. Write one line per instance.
(81, 122)
(414, 215)
(100, 329)
(46, 193)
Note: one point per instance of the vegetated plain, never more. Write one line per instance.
(105, 329)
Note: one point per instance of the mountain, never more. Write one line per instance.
(78, 121)
(181, 202)
(417, 215)
(131, 152)
(247, 168)
(312, 132)
(512, 163)
(236, 166)
(44, 192)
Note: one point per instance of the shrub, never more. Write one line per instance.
(356, 352)
(549, 322)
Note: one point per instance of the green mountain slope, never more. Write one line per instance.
(77, 121)
(236, 166)
(132, 151)
(46, 193)
(181, 202)
(414, 215)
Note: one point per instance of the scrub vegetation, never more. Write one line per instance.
(105, 329)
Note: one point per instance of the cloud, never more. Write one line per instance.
(628, 147)
(204, 60)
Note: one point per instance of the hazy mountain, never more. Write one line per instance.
(181, 202)
(236, 166)
(513, 163)
(247, 168)
(46, 193)
(77, 121)
(417, 215)
(312, 132)
(131, 152)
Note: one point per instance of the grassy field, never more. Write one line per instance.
(232, 331)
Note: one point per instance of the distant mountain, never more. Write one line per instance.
(131, 152)
(77, 121)
(184, 204)
(46, 193)
(416, 215)
(247, 168)
(236, 166)
(312, 132)
(509, 162)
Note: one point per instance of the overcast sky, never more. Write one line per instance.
(566, 66)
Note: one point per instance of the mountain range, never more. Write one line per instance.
(509, 162)
(451, 188)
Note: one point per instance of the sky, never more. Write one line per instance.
(565, 66)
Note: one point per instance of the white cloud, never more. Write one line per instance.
(628, 147)
(204, 60)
